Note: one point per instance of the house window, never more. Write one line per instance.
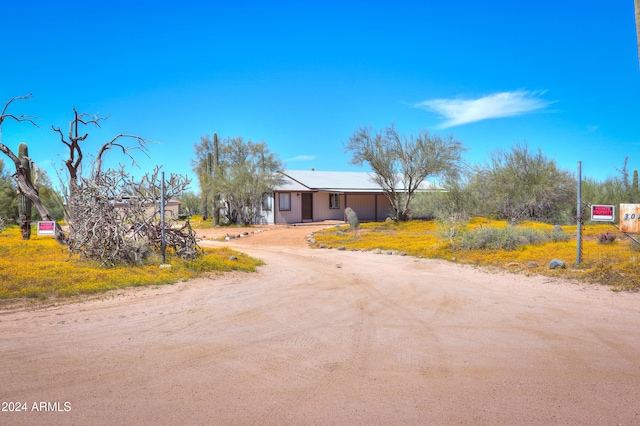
(334, 201)
(284, 199)
(266, 202)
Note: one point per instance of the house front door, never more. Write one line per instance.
(307, 207)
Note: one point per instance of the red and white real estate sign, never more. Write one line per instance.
(602, 213)
(630, 218)
(46, 228)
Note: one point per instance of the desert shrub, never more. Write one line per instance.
(633, 246)
(507, 238)
(556, 236)
(606, 238)
(452, 226)
(603, 271)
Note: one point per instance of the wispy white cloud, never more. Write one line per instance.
(505, 104)
(302, 158)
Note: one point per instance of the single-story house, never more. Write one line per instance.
(313, 196)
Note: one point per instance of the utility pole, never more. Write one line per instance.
(579, 217)
(163, 244)
(216, 198)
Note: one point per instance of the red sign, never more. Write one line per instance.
(46, 228)
(602, 213)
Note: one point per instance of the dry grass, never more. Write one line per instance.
(40, 268)
(614, 264)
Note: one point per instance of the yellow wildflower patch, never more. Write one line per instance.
(41, 268)
(421, 238)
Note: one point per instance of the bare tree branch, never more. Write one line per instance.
(141, 146)
(18, 118)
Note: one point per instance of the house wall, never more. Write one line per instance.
(369, 207)
(292, 216)
(264, 217)
(384, 208)
(321, 210)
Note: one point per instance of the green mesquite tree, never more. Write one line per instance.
(401, 164)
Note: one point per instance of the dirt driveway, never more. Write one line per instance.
(329, 337)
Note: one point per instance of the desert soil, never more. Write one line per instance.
(321, 336)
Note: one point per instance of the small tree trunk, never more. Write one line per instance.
(205, 207)
(25, 226)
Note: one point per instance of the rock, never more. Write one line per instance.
(378, 251)
(532, 264)
(341, 248)
(556, 263)
(389, 252)
(323, 246)
(233, 258)
(312, 240)
(402, 253)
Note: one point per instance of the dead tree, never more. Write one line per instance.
(112, 218)
(25, 186)
(118, 218)
(75, 161)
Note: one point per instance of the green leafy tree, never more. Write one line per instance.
(520, 184)
(51, 198)
(245, 171)
(191, 203)
(614, 189)
(401, 164)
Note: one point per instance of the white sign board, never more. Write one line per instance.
(630, 218)
(602, 213)
(46, 228)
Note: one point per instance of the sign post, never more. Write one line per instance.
(579, 217)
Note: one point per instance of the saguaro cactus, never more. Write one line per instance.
(24, 204)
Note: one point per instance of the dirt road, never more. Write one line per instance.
(329, 337)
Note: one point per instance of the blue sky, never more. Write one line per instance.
(562, 76)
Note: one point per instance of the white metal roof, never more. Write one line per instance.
(313, 180)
